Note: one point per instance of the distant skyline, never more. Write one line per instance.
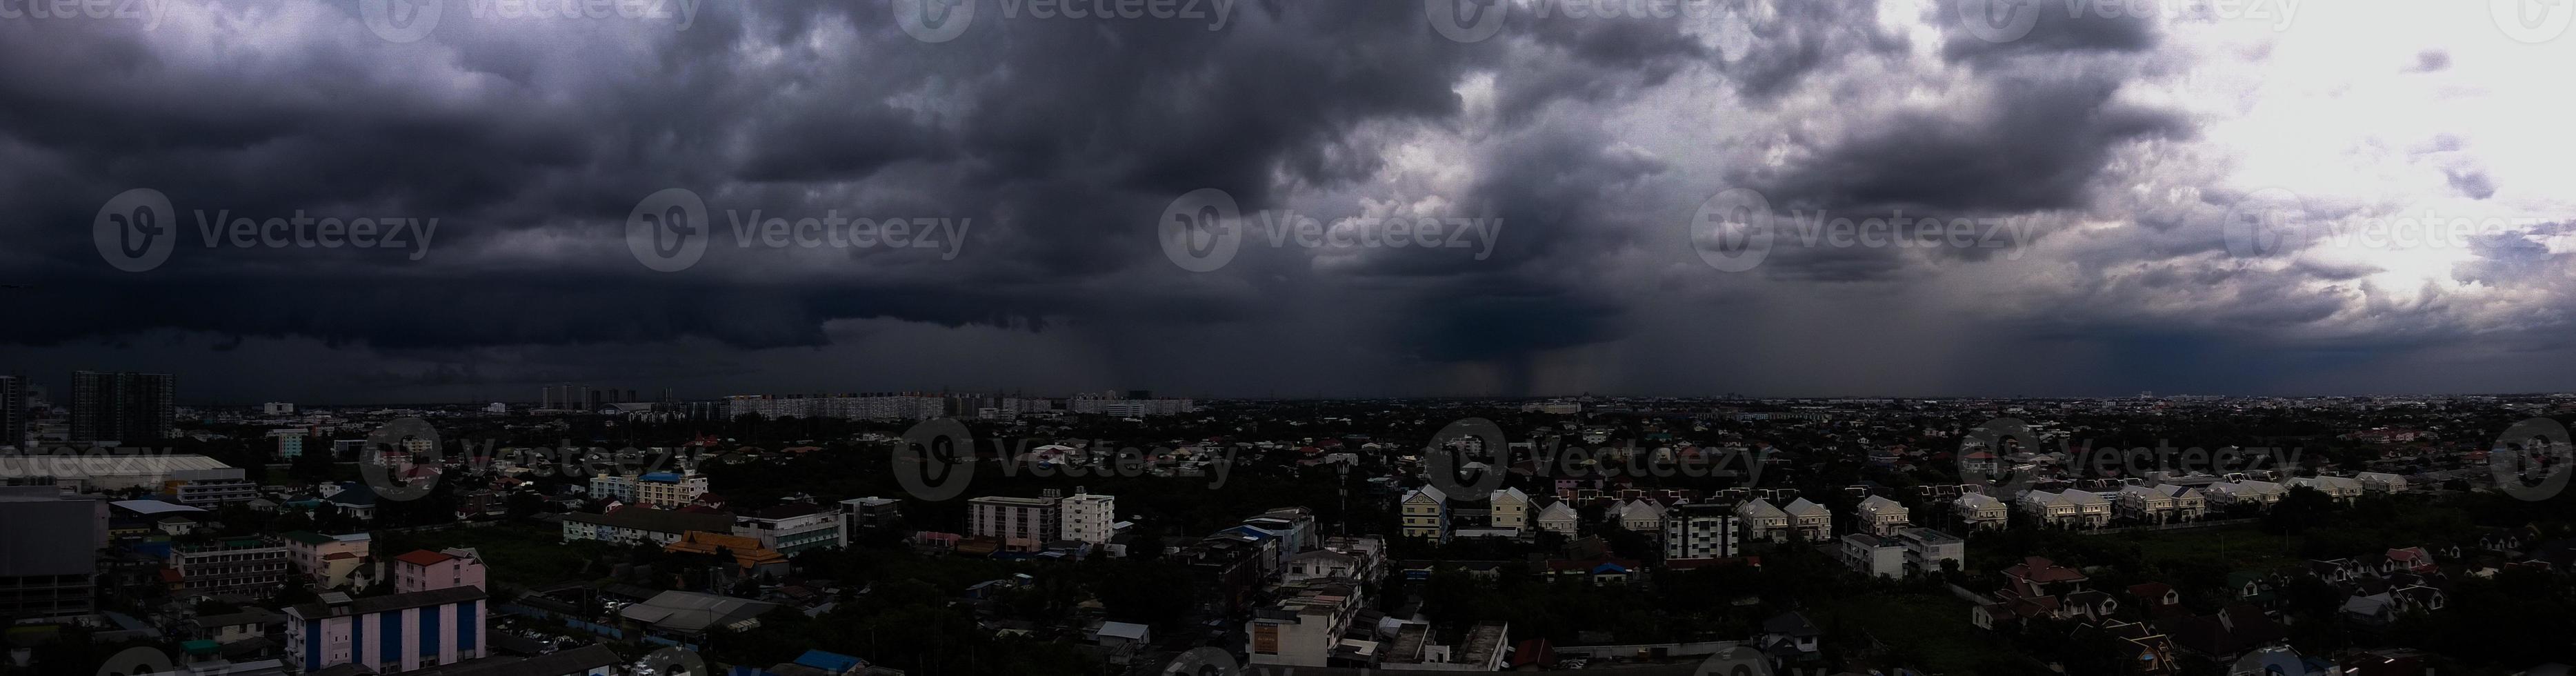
(2344, 200)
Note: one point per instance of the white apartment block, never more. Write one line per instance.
(666, 490)
(1089, 517)
(1909, 551)
(1699, 532)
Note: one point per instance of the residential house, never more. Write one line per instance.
(1558, 517)
(2038, 587)
(1881, 516)
(1762, 522)
(424, 570)
(2262, 494)
(1979, 511)
(328, 560)
(2221, 638)
(1508, 508)
(2381, 482)
(2069, 508)
(1640, 516)
(1810, 521)
(2342, 489)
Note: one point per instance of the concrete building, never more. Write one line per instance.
(13, 411)
(1881, 516)
(386, 634)
(1907, 551)
(1305, 627)
(666, 490)
(328, 560)
(103, 470)
(1022, 524)
(422, 570)
(2237, 493)
(1483, 649)
(1699, 532)
(1762, 522)
(859, 514)
(247, 566)
(48, 553)
(1089, 517)
(1425, 514)
(792, 527)
(210, 488)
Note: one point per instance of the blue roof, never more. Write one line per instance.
(662, 477)
(829, 661)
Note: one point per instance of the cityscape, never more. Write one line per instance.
(580, 531)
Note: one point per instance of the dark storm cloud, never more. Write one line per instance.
(2055, 28)
(2033, 148)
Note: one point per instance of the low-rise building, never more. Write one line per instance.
(1762, 522)
(423, 570)
(791, 527)
(1699, 531)
(386, 634)
(248, 566)
(641, 525)
(1307, 626)
(1021, 524)
(1559, 518)
(1425, 514)
(2261, 494)
(1810, 521)
(1508, 508)
(2342, 489)
(331, 561)
(1979, 511)
(1880, 516)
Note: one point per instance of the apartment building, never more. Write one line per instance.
(1022, 524)
(641, 525)
(1306, 626)
(423, 570)
(331, 561)
(1089, 518)
(1699, 531)
(1425, 514)
(248, 566)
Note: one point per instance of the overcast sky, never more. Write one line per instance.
(2350, 197)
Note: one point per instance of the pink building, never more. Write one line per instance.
(424, 570)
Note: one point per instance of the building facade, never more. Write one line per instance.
(1022, 524)
(248, 566)
(129, 408)
(792, 527)
(387, 634)
(423, 570)
(1089, 517)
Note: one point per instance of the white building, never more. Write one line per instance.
(792, 527)
(2342, 489)
(2260, 493)
(1509, 508)
(1641, 515)
(1762, 522)
(666, 490)
(1809, 520)
(1305, 627)
(1559, 518)
(388, 634)
(1425, 514)
(1089, 518)
(1910, 551)
(2068, 508)
(2381, 482)
(2146, 504)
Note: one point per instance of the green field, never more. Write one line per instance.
(2237, 547)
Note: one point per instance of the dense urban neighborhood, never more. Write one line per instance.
(611, 532)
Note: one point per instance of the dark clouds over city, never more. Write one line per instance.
(2094, 161)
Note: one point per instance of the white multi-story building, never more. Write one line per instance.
(246, 566)
(1089, 517)
(1979, 510)
(1425, 514)
(1881, 516)
(1641, 515)
(1305, 627)
(2147, 504)
(1022, 524)
(666, 490)
(388, 634)
(1699, 532)
(1909, 551)
(2067, 508)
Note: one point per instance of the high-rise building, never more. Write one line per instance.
(13, 411)
(130, 408)
(48, 553)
